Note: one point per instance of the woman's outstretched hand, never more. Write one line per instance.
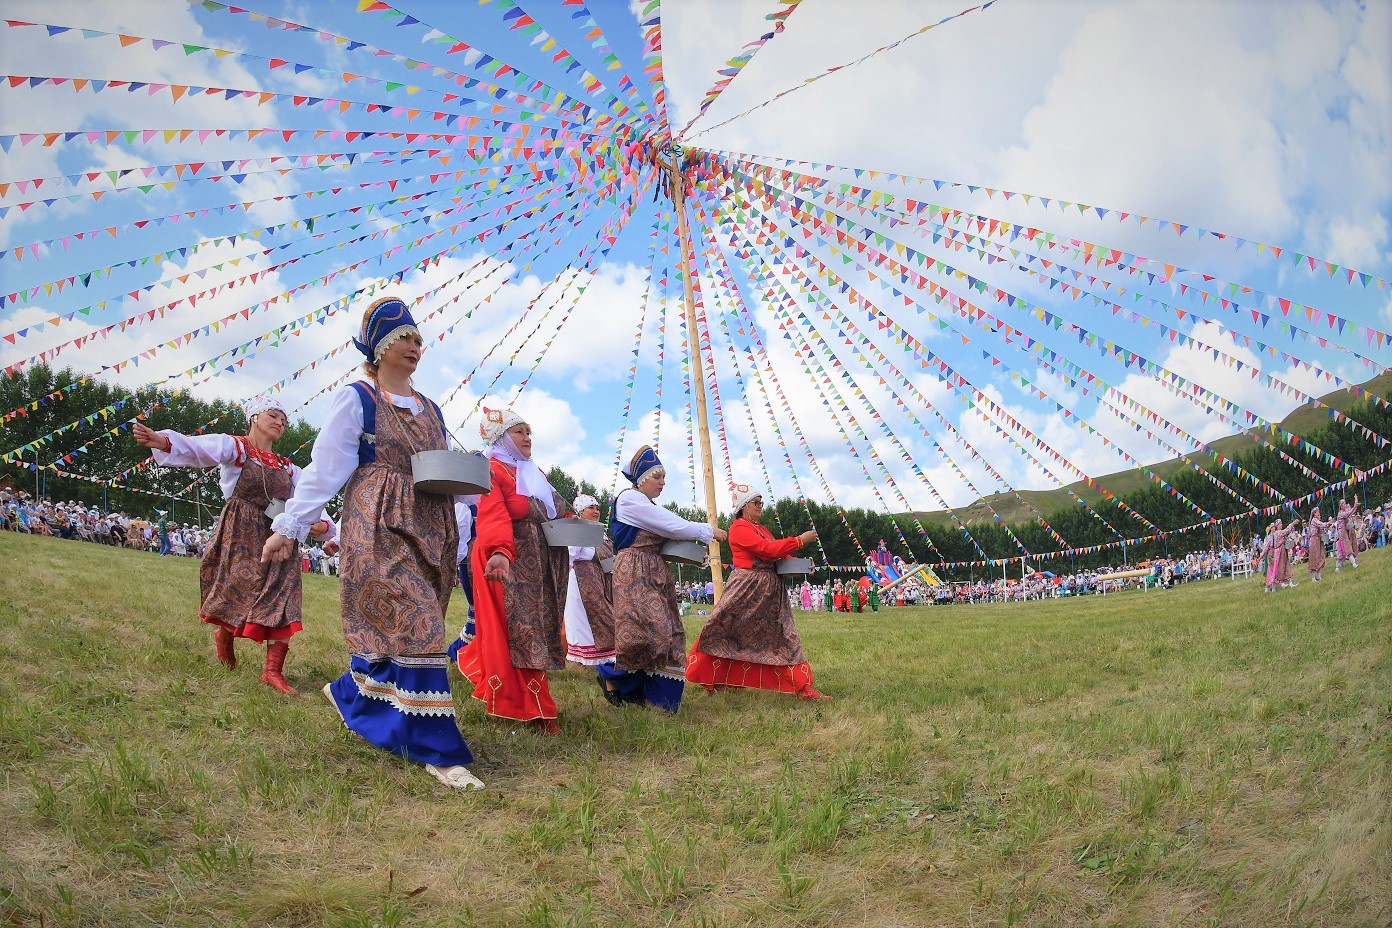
(150, 438)
(276, 548)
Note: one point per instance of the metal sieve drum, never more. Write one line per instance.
(573, 533)
(450, 473)
(795, 565)
(606, 564)
(686, 552)
(276, 507)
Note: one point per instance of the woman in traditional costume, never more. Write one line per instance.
(806, 596)
(1345, 536)
(589, 605)
(400, 552)
(750, 640)
(1314, 543)
(1278, 571)
(650, 643)
(240, 596)
(517, 622)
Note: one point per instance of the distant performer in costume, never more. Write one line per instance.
(650, 643)
(519, 608)
(241, 597)
(750, 639)
(1314, 543)
(1346, 527)
(1278, 554)
(589, 605)
(400, 555)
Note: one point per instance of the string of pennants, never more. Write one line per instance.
(856, 290)
(1330, 459)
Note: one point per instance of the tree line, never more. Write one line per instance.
(107, 449)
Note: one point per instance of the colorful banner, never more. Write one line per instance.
(733, 67)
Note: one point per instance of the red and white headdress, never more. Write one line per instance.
(496, 422)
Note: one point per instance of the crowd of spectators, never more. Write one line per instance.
(157, 534)
(77, 522)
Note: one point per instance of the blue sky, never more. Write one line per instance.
(1266, 121)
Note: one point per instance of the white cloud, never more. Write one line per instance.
(1360, 242)
(34, 109)
(1267, 121)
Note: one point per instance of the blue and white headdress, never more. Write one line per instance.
(643, 465)
(388, 320)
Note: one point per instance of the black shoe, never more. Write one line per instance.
(612, 697)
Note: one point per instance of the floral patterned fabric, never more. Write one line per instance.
(517, 624)
(648, 633)
(397, 569)
(535, 597)
(253, 600)
(597, 593)
(1314, 533)
(753, 621)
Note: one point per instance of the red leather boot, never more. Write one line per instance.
(222, 641)
(274, 676)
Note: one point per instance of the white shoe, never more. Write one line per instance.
(1291, 584)
(328, 694)
(457, 777)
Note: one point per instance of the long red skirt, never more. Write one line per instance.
(711, 672)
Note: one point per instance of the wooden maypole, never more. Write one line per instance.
(676, 186)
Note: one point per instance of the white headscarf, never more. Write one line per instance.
(583, 502)
(530, 480)
(741, 495)
(260, 404)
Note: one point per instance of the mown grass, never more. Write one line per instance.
(1203, 756)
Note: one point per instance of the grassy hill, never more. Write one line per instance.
(1200, 756)
(1302, 421)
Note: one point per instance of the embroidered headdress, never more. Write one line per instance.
(260, 404)
(644, 464)
(496, 422)
(741, 495)
(582, 502)
(388, 320)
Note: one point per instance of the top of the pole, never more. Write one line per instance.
(672, 160)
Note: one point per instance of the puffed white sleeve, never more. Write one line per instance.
(332, 533)
(581, 554)
(332, 462)
(196, 450)
(636, 510)
(465, 517)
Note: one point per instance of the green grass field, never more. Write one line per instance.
(1202, 756)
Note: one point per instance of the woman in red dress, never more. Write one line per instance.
(520, 605)
(750, 639)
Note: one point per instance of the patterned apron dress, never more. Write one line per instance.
(253, 600)
(397, 572)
